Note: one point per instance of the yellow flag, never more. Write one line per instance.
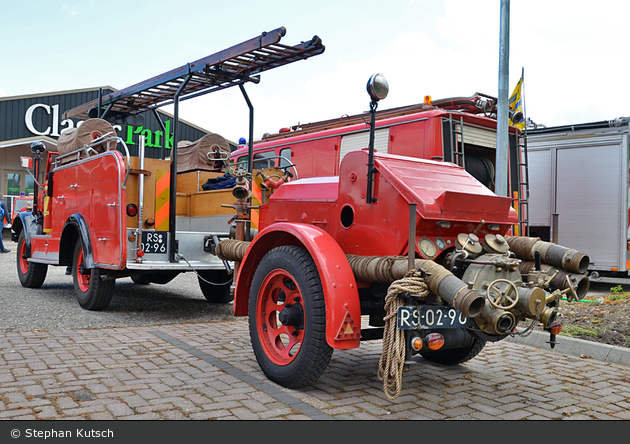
(516, 105)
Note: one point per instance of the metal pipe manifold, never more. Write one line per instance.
(579, 282)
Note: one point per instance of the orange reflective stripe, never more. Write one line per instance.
(256, 200)
(162, 199)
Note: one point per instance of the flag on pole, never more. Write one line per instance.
(516, 105)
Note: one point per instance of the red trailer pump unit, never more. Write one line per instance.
(416, 252)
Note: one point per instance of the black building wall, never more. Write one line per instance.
(27, 117)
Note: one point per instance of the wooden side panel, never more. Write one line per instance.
(208, 203)
(192, 181)
(183, 204)
(152, 165)
(191, 199)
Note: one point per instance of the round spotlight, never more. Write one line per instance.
(377, 87)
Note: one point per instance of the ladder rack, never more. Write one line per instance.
(231, 67)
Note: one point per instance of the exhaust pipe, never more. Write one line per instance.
(568, 259)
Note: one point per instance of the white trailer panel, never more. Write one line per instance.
(580, 176)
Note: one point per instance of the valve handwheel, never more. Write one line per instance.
(502, 297)
(571, 289)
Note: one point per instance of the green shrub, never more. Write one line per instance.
(575, 330)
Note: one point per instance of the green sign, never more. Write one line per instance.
(153, 139)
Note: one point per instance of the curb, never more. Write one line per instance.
(576, 347)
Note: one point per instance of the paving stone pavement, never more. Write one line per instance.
(207, 370)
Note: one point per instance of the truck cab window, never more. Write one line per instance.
(264, 160)
(261, 160)
(285, 157)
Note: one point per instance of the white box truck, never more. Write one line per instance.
(578, 183)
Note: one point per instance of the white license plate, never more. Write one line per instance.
(154, 241)
(425, 317)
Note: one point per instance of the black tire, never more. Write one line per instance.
(92, 292)
(141, 279)
(456, 355)
(287, 281)
(31, 275)
(216, 286)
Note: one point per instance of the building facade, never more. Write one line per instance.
(38, 117)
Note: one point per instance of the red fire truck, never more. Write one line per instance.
(414, 251)
(459, 130)
(109, 215)
(21, 203)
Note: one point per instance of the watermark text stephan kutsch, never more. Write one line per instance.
(77, 433)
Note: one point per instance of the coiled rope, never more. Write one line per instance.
(392, 361)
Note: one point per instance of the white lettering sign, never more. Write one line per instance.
(51, 130)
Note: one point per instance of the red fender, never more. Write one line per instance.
(343, 309)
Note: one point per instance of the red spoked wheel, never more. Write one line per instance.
(287, 318)
(93, 293)
(31, 275)
(280, 299)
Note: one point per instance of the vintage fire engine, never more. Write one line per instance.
(110, 215)
(414, 251)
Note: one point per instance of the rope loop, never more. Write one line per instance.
(392, 361)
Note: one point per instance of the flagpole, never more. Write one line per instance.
(523, 98)
(501, 161)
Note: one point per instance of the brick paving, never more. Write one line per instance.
(207, 370)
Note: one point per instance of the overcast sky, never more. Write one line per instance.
(573, 53)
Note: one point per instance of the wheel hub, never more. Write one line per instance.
(292, 315)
